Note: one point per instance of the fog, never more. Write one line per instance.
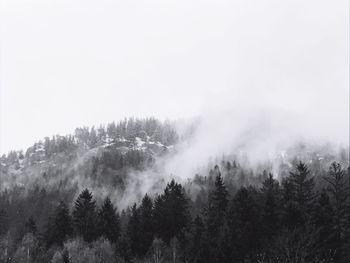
(279, 66)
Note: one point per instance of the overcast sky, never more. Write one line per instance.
(69, 63)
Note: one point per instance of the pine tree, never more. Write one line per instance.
(340, 196)
(322, 218)
(171, 212)
(290, 212)
(270, 213)
(218, 201)
(109, 222)
(146, 224)
(84, 216)
(133, 231)
(217, 205)
(303, 191)
(62, 223)
(245, 225)
(337, 188)
(198, 242)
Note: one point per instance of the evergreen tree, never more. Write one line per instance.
(339, 192)
(217, 205)
(303, 192)
(245, 225)
(198, 241)
(218, 201)
(84, 216)
(322, 219)
(62, 223)
(133, 231)
(146, 224)
(290, 213)
(171, 212)
(109, 222)
(270, 213)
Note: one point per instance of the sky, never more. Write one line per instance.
(69, 63)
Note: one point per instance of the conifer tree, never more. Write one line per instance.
(198, 250)
(338, 190)
(290, 212)
(84, 216)
(171, 212)
(270, 213)
(303, 191)
(322, 219)
(133, 231)
(62, 223)
(340, 196)
(109, 222)
(245, 225)
(217, 205)
(146, 224)
(218, 201)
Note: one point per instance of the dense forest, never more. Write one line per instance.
(60, 202)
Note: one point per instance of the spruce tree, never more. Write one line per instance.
(322, 218)
(340, 196)
(216, 211)
(171, 212)
(218, 200)
(62, 224)
(338, 190)
(198, 241)
(245, 225)
(133, 231)
(290, 213)
(84, 216)
(303, 191)
(270, 213)
(146, 224)
(109, 221)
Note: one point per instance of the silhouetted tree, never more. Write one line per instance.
(217, 205)
(62, 224)
(245, 225)
(109, 222)
(271, 210)
(146, 225)
(133, 231)
(303, 192)
(171, 212)
(84, 216)
(322, 219)
(339, 192)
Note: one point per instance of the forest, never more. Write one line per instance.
(230, 213)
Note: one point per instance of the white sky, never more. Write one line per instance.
(69, 63)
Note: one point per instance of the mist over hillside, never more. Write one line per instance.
(138, 156)
(236, 151)
(128, 164)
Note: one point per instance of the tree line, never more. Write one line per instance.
(292, 220)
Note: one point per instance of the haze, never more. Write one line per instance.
(66, 64)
